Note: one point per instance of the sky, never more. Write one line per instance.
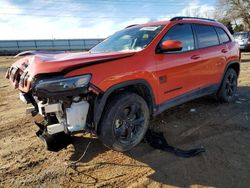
(60, 19)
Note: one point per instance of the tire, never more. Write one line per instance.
(124, 122)
(228, 89)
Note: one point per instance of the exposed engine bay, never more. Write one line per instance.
(70, 119)
(61, 117)
(63, 102)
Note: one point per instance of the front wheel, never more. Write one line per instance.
(228, 89)
(124, 122)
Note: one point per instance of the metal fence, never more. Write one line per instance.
(10, 47)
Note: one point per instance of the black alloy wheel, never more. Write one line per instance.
(129, 123)
(228, 89)
(124, 122)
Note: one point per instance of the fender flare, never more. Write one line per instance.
(230, 63)
(226, 68)
(100, 101)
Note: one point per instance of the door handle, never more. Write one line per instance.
(195, 57)
(224, 50)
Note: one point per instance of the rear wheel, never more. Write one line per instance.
(124, 122)
(228, 89)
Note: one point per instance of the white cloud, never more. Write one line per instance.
(194, 9)
(17, 24)
(59, 22)
(23, 26)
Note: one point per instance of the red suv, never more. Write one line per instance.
(137, 73)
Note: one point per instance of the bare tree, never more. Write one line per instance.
(231, 10)
(199, 11)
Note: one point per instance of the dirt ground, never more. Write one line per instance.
(223, 129)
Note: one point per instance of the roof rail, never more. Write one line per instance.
(188, 17)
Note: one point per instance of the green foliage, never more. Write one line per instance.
(239, 28)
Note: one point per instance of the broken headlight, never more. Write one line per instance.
(63, 84)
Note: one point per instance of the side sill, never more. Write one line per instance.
(186, 97)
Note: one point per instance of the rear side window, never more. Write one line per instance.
(206, 36)
(183, 33)
(223, 35)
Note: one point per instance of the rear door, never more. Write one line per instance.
(225, 48)
(211, 54)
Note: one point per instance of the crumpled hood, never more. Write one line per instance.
(51, 62)
(34, 63)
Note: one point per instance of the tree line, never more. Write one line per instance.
(234, 12)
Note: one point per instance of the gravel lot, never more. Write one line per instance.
(223, 129)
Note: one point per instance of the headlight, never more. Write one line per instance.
(63, 84)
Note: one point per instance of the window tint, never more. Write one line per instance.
(223, 35)
(183, 33)
(206, 36)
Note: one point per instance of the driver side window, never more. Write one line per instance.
(182, 33)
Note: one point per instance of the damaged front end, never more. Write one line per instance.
(63, 102)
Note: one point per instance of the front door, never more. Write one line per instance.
(178, 71)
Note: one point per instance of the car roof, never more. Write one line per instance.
(195, 21)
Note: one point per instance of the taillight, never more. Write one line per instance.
(248, 42)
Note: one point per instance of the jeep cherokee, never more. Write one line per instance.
(135, 74)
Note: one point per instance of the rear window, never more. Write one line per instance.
(206, 36)
(223, 35)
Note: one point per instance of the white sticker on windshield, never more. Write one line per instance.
(148, 28)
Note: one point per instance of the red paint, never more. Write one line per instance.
(171, 44)
(188, 70)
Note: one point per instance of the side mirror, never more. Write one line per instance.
(171, 45)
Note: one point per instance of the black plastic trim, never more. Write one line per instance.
(189, 17)
(226, 68)
(101, 100)
(229, 64)
(61, 95)
(171, 90)
(187, 97)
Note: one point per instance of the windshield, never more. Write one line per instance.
(130, 39)
(241, 35)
